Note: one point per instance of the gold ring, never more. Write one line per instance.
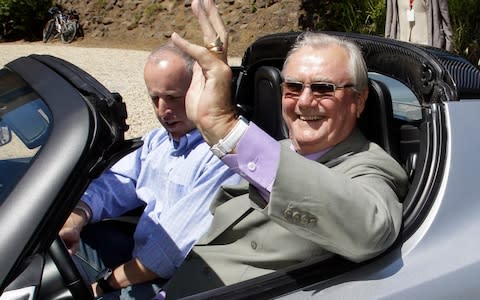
(215, 46)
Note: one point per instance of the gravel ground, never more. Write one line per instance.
(119, 70)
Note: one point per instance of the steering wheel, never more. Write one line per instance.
(69, 272)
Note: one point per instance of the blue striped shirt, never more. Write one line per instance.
(176, 181)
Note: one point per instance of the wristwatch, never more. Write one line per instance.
(228, 143)
(102, 280)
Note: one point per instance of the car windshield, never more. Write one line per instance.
(25, 122)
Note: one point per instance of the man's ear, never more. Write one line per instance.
(361, 100)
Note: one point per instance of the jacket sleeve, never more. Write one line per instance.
(351, 209)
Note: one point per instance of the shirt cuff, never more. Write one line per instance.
(87, 198)
(256, 159)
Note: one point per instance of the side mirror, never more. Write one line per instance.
(5, 134)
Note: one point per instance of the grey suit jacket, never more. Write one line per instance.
(345, 203)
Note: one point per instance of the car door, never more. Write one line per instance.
(63, 130)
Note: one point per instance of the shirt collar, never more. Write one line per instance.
(186, 142)
(313, 156)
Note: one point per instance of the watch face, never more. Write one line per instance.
(104, 274)
(107, 274)
(102, 280)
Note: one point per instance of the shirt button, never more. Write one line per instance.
(251, 166)
(254, 245)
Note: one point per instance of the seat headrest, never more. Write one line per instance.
(267, 111)
(376, 120)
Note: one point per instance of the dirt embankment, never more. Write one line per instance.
(136, 24)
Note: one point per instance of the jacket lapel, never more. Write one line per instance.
(341, 151)
(230, 204)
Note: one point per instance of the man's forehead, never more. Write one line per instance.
(317, 60)
(319, 52)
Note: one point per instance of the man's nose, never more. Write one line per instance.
(306, 97)
(162, 106)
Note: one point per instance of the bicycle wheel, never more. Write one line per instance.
(48, 30)
(68, 32)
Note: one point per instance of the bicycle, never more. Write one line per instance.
(64, 24)
(7, 29)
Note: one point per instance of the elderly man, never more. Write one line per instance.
(174, 176)
(327, 190)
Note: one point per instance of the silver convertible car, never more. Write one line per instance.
(60, 128)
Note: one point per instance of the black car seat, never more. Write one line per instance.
(267, 110)
(376, 120)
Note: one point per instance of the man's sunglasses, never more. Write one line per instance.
(319, 89)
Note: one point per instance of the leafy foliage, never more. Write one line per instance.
(368, 16)
(23, 18)
(466, 28)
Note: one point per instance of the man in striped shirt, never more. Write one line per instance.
(174, 176)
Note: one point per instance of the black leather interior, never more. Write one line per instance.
(376, 120)
(267, 110)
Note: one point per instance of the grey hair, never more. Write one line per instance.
(358, 68)
(156, 55)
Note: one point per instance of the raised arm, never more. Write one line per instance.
(208, 101)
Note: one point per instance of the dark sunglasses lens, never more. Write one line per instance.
(322, 88)
(295, 87)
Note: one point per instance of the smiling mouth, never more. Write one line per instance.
(310, 118)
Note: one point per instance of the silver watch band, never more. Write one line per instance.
(228, 143)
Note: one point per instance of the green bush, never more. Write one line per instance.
(23, 18)
(464, 15)
(368, 16)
